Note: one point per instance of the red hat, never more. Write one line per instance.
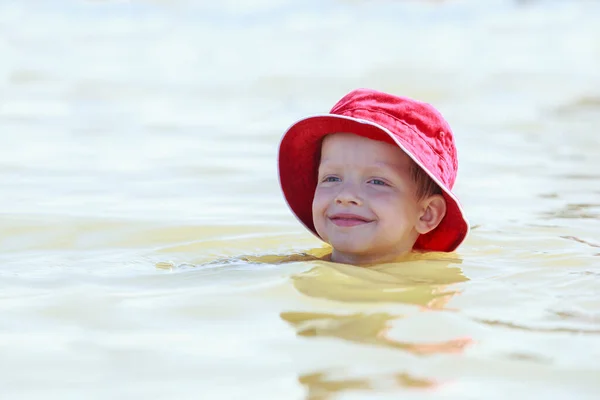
(416, 127)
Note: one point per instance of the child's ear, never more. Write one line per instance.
(433, 210)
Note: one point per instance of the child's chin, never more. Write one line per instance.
(349, 247)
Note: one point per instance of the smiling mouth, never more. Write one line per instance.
(348, 220)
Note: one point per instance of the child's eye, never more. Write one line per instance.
(378, 182)
(331, 179)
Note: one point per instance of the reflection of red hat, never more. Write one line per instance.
(416, 127)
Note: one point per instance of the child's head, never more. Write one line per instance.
(369, 203)
(373, 178)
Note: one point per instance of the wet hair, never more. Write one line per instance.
(425, 185)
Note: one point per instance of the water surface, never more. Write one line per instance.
(146, 250)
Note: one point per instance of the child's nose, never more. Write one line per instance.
(348, 194)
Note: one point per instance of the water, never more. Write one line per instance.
(146, 250)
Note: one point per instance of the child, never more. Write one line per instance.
(373, 178)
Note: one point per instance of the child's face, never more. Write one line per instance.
(365, 204)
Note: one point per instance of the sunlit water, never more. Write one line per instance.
(146, 251)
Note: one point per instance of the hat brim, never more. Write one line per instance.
(299, 156)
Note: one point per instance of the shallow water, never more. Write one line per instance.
(146, 249)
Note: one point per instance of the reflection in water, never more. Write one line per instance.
(422, 280)
(321, 387)
(365, 329)
(409, 381)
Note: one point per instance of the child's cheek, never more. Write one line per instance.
(323, 194)
(319, 202)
